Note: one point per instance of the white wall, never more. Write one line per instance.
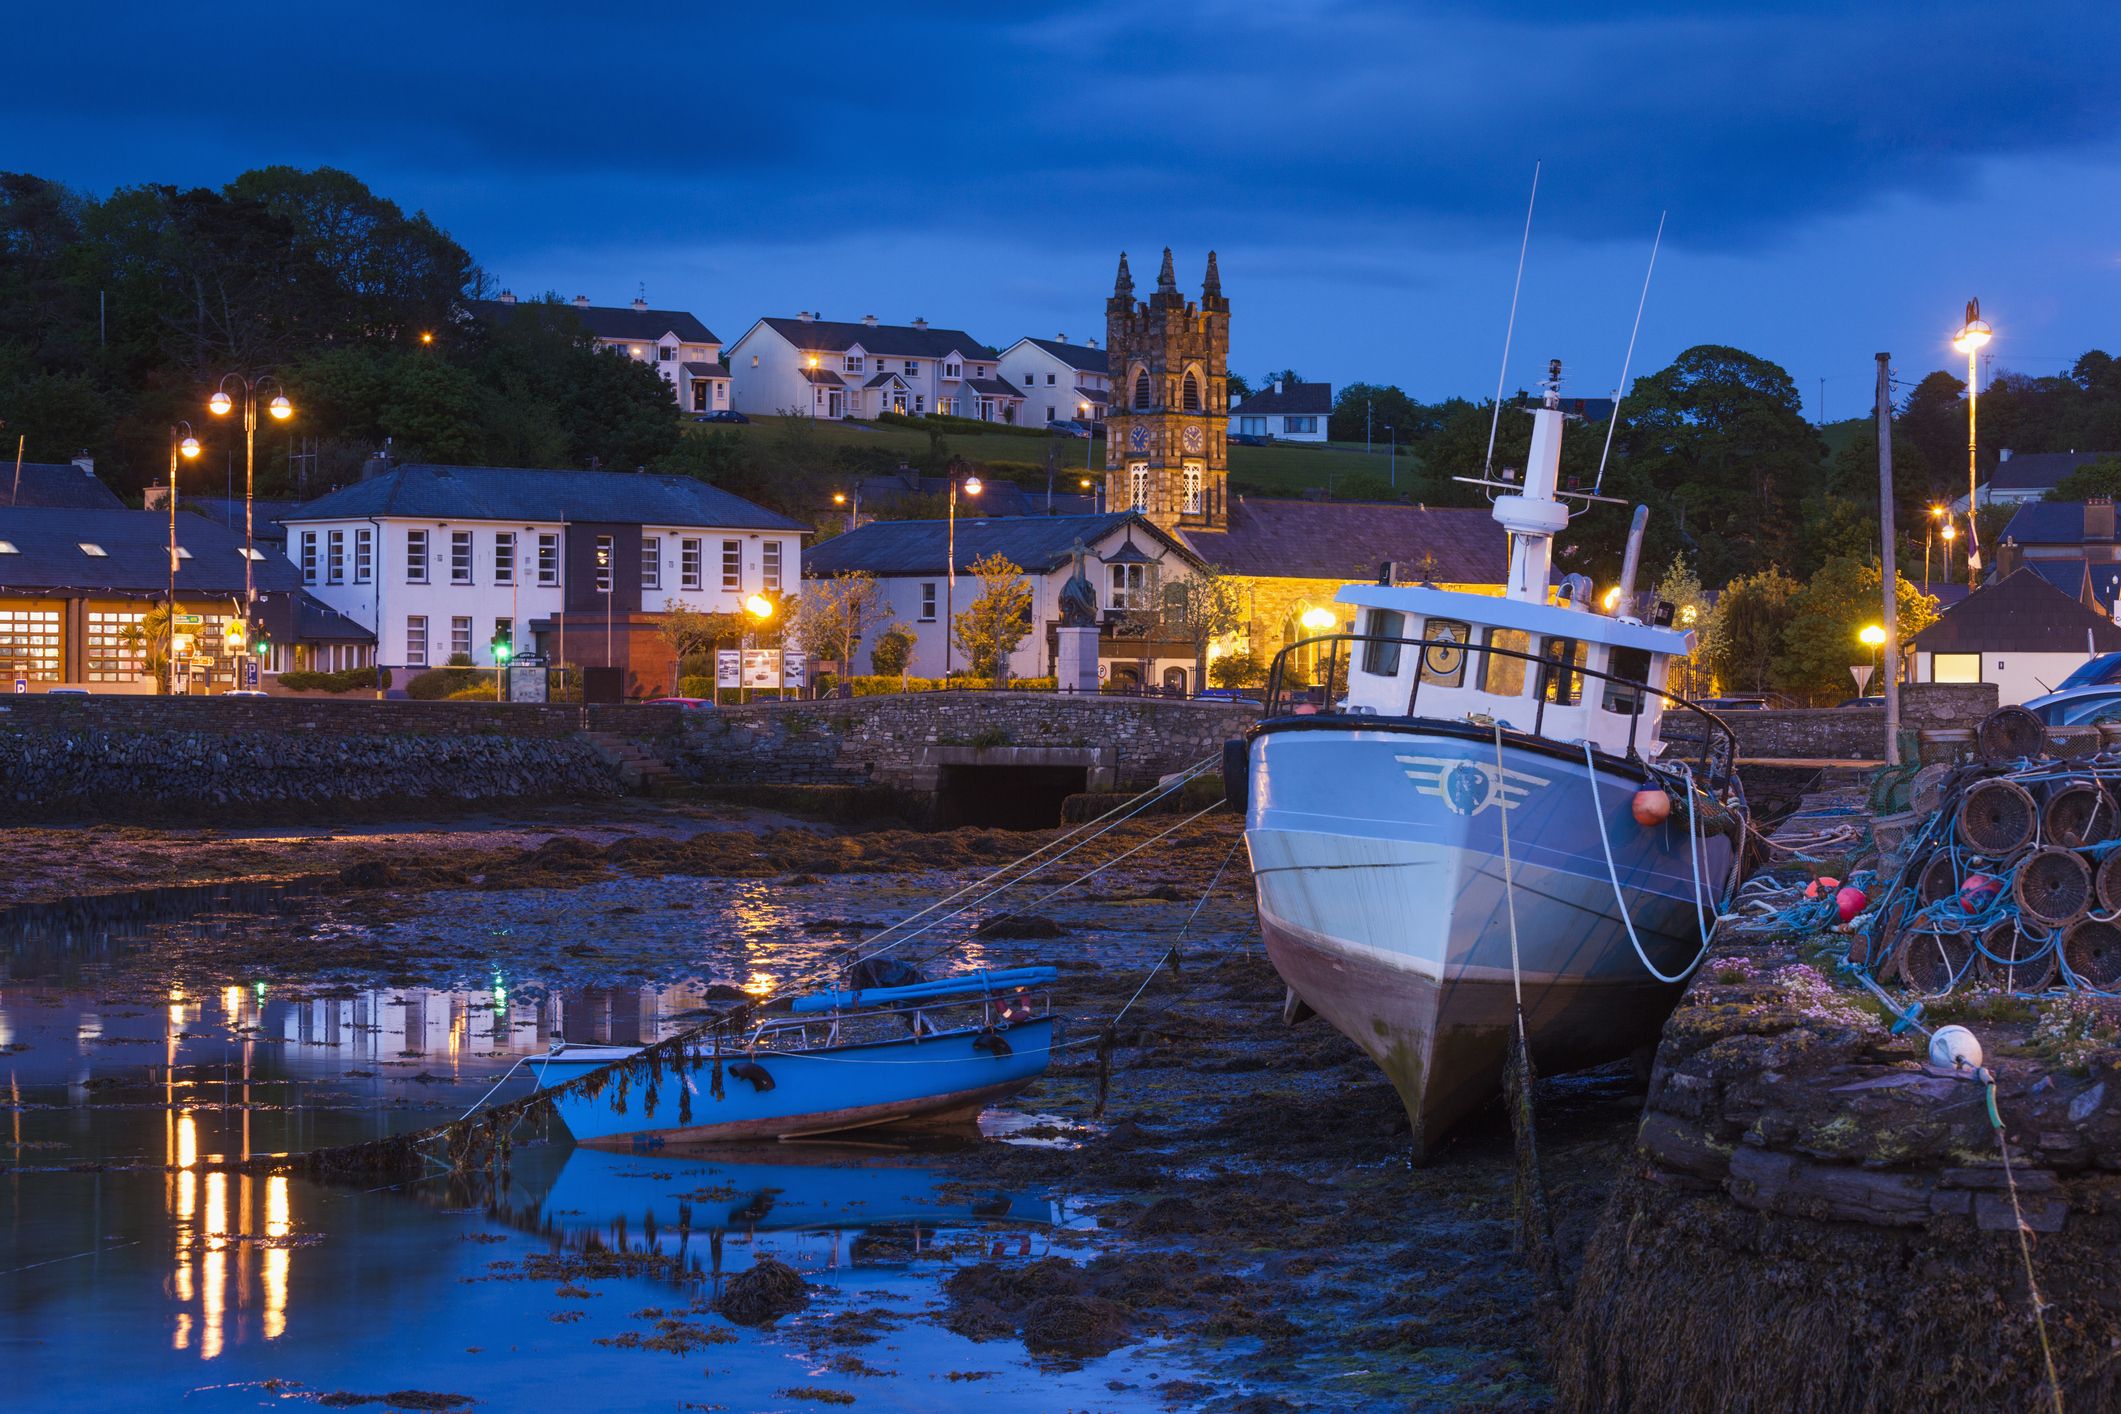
(777, 384)
(1275, 425)
(2019, 677)
(1028, 366)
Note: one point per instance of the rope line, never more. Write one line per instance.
(1620, 903)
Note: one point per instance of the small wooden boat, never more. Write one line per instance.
(929, 1053)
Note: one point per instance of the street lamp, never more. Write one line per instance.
(1082, 411)
(972, 488)
(1950, 533)
(186, 446)
(1096, 494)
(1873, 637)
(220, 405)
(760, 609)
(1971, 338)
(813, 387)
(853, 504)
(1936, 513)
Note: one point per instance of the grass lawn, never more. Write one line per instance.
(1286, 469)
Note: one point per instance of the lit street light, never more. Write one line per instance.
(853, 504)
(972, 488)
(813, 387)
(1971, 338)
(187, 447)
(760, 608)
(1873, 638)
(1950, 533)
(220, 405)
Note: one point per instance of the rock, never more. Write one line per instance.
(763, 1293)
(1081, 1326)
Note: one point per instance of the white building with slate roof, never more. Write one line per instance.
(824, 368)
(576, 565)
(1061, 382)
(1128, 561)
(679, 347)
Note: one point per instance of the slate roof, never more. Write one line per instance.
(135, 559)
(2072, 577)
(705, 370)
(534, 494)
(613, 322)
(2039, 471)
(56, 484)
(228, 510)
(889, 340)
(883, 380)
(2020, 613)
(1077, 357)
(994, 387)
(1279, 539)
(1039, 544)
(1302, 399)
(301, 617)
(824, 377)
(2048, 523)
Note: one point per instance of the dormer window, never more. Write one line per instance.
(856, 363)
(93, 551)
(951, 370)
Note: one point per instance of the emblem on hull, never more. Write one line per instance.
(1469, 787)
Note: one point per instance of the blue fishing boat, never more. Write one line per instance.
(1486, 808)
(927, 1053)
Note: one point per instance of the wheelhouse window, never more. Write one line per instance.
(1443, 655)
(1501, 674)
(1632, 667)
(1379, 657)
(1560, 677)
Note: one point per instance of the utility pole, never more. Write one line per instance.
(1368, 405)
(1889, 573)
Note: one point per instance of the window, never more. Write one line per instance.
(1559, 682)
(1443, 661)
(504, 557)
(116, 651)
(603, 554)
(651, 562)
(416, 641)
(1049, 380)
(1383, 658)
(928, 603)
(29, 644)
(1138, 485)
(1190, 392)
(364, 555)
(1133, 586)
(335, 558)
(1194, 478)
(93, 551)
(920, 402)
(1501, 675)
(754, 360)
(770, 563)
(689, 563)
(855, 363)
(1252, 426)
(946, 406)
(1141, 389)
(913, 368)
(1299, 424)
(416, 562)
(460, 637)
(951, 370)
(309, 557)
(460, 557)
(548, 560)
(668, 354)
(1955, 667)
(733, 565)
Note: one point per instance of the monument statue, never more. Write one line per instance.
(1078, 598)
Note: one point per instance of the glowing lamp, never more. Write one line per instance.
(839, 498)
(189, 446)
(1973, 336)
(1951, 532)
(1317, 620)
(281, 408)
(972, 486)
(219, 404)
(1612, 597)
(426, 338)
(759, 607)
(1872, 635)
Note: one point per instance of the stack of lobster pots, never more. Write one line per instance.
(2018, 880)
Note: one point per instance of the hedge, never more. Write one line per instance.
(438, 683)
(347, 680)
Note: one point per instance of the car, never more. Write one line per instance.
(1068, 429)
(1876, 701)
(2077, 706)
(245, 692)
(725, 415)
(1226, 694)
(1732, 704)
(692, 704)
(1252, 439)
(2099, 672)
(66, 692)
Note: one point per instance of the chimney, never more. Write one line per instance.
(920, 323)
(2010, 556)
(86, 462)
(1089, 343)
(805, 315)
(581, 301)
(640, 304)
(2099, 518)
(1062, 336)
(508, 297)
(870, 320)
(1277, 385)
(2003, 454)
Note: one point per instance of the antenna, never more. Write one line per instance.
(1629, 357)
(1487, 468)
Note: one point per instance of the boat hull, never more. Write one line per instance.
(937, 1080)
(1378, 857)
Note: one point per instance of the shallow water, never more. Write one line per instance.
(130, 1278)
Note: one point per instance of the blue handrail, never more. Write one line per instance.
(971, 982)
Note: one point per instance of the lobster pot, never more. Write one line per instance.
(1930, 962)
(1939, 878)
(2026, 966)
(1996, 818)
(2009, 734)
(2108, 883)
(2053, 886)
(2078, 813)
(1868, 945)
(2091, 950)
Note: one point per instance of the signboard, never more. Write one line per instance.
(1862, 673)
(253, 673)
(190, 619)
(728, 668)
(526, 682)
(22, 684)
(795, 663)
(762, 667)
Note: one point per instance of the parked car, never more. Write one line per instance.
(1252, 439)
(725, 415)
(1068, 429)
(692, 704)
(245, 692)
(66, 692)
(1732, 704)
(1876, 701)
(2077, 706)
(1227, 694)
(2101, 670)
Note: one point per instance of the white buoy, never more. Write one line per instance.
(1955, 1046)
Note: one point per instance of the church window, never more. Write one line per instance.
(1192, 392)
(1133, 587)
(1138, 480)
(1194, 478)
(1141, 389)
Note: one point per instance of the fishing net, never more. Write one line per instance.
(2053, 886)
(2077, 813)
(2015, 962)
(1996, 818)
(2091, 950)
(1939, 878)
(2108, 882)
(2010, 734)
(1930, 962)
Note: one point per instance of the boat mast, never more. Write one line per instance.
(1533, 517)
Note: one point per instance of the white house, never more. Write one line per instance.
(1287, 412)
(682, 349)
(573, 565)
(1128, 561)
(825, 368)
(1061, 382)
(2019, 632)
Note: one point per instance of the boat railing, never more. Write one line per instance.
(921, 1017)
(1550, 679)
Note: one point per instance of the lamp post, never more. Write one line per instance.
(1951, 533)
(1972, 336)
(1392, 461)
(186, 446)
(1096, 494)
(759, 609)
(1873, 638)
(1936, 513)
(813, 387)
(972, 488)
(853, 503)
(1082, 411)
(220, 404)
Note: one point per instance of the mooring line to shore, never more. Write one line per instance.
(1535, 1219)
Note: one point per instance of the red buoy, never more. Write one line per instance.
(1850, 902)
(1652, 806)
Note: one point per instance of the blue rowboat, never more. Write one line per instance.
(929, 1054)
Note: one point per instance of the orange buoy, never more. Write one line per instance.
(1850, 902)
(1652, 806)
(1821, 886)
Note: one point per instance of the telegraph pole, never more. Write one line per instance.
(1889, 574)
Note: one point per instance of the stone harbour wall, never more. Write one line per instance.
(1847, 733)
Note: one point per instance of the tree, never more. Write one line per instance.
(1237, 387)
(150, 639)
(892, 652)
(1745, 632)
(689, 631)
(832, 616)
(2093, 479)
(1237, 670)
(1203, 604)
(1819, 636)
(1934, 418)
(998, 619)
(1365, 410)
(1287, 377)
(1680, 587)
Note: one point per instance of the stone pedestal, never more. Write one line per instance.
(1077, 658)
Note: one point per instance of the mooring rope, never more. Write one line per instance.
(1535, 1218)
(1620, 903)
(1987, 1078)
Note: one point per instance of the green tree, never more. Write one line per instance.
(2093, 479)
(892, 652)
(430, 410)
(1934, 419)
(1203, 605)
(1370, 408)
(690, 632)
(998, 619)
(1744, 634)
(831, 617)
(1820, 634)
(1680, 587)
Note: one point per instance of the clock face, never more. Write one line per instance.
(1138, 439)
(1195, 439)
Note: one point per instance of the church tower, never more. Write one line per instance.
(1166, 443)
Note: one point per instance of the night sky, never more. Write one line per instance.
(1840, 178)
